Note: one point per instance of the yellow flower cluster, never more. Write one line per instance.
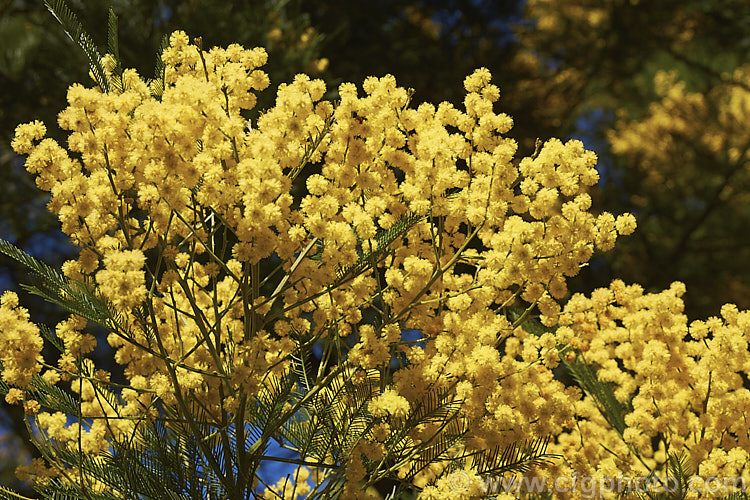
(21, 345)
(190, 226)
(684, 383)
(389, 404)
(291, 487)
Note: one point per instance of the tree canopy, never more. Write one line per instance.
(660, 88)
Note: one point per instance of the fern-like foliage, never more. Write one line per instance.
(157, 84)
(326, 428)
(583, 373)
(6, 494)
(384, 239)
(162, 463)
(52, 397)
(738, 495)
(78, 35)
(303, 359)
(47, 395)
(680, 470)
(603, 395)
(518, 316)
(113, 46)
(54, 287)
(438, 408)
(520, 456)
(674, 486)
(677, 484)
(161, 460)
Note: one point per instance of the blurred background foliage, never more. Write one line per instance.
(657, 89)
